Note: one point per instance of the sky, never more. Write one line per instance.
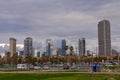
(57, 20)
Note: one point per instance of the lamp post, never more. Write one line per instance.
(76, 56)
(92, 68)
(118, 61)
(107, 63)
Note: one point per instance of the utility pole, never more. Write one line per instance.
(118, 61)
(108, 63)
(76, 55)
(92, 68)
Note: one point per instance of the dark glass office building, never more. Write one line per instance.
(82, 47)
(48, 47)
(63, 44)
(28, 47)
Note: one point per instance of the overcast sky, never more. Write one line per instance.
(58, 19)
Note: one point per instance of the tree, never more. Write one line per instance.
(44, 58)
(102, 58)
(14, 59)
(34, 60)
(1, 61)
(66, 47)
(71, 50)
(7, 58)
(28, 59)
(20, 60)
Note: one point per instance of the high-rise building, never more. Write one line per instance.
(28, 47)
(48, 47)
(104, 38)
(88, 52)
(63, 45)
(58, 51)
(51, 49)
(12, 46)
(21, 53)
(38, 54)
(82, 47)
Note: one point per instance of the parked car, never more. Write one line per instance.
(22, 66)
(66, 67)
(46, 67)
(37, 67)
(74, 67)
(108, 64)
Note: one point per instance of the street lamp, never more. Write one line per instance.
(118, 60)
(76, 56)
(92, 68)
(107, 63)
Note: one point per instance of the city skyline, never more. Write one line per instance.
(58, 20)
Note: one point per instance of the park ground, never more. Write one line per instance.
(46, 75)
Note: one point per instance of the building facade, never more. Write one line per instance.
(63, 45)
(38, 54)
(28, 47)
(48, 47)
(12, 46)
(82, 47)
(104, 38)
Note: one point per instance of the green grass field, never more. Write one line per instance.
(57, 76)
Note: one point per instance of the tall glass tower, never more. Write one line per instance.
(48, 47)
(63, 47)
(82, 47)
(28, 47)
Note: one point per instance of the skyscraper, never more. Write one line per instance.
(82, 47)
(12, 46)
(104, 38)
(48, 47)
(28, 48)
(38, 54)
(63, 44)
(51, 49)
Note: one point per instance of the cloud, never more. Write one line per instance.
(57, 19)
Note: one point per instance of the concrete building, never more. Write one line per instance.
(12, 46)
(28, 47)
(82, 47)
(104, 38)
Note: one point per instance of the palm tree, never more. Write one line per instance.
(1, 61)
(7, 58)
(28, 59)
(34, 60)
(20, 60)
(44, 58)
(14, 59)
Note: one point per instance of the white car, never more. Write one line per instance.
(46, 68)
(22, 66)
(37, 67)
(108, 64)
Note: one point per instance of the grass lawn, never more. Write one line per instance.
(57, 76)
